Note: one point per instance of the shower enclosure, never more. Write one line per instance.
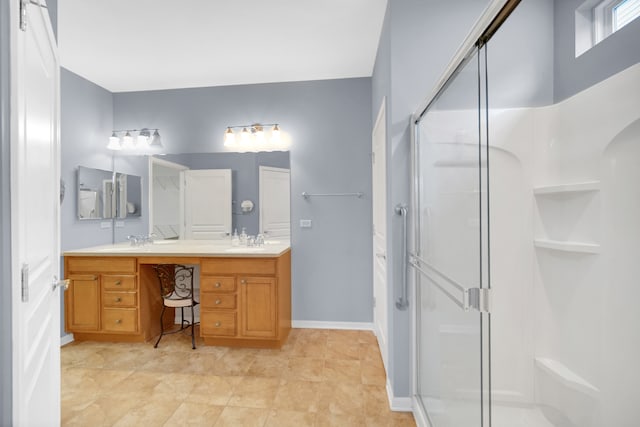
(526, 226)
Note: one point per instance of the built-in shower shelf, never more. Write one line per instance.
(566, 376)
(566, 246)
(577, 187)
(459, 163)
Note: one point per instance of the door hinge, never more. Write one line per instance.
(23, 14)
(479, 299)
(24, 282)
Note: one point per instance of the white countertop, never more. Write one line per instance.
(178, 248)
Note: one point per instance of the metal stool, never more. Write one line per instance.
(176, 288)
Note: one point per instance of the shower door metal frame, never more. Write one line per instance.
(476, 298)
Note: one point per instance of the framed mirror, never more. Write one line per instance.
(95, 194)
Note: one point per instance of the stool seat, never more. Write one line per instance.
(176, 288)
(182, 302)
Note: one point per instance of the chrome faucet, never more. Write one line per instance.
(141, 240)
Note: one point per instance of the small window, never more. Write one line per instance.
(624, 12)
(598, 19)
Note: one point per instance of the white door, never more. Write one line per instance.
(35, 180)
(379, 196)
(274, 201)
(207, 206)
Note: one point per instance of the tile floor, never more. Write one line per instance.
(319, 378)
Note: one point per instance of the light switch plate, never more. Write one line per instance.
(305, 223)
(120, 224)
(105, 224)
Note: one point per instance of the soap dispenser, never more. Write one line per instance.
(235, 240)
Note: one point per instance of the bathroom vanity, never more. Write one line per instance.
(245, 292)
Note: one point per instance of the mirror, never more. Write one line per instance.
(98, 198)
(95, 194)
(129, 195)
(167, 201)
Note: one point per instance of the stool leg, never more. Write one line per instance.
(193, 328)
(161, 327)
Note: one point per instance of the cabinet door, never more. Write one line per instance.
(83, 303)
(258, 307)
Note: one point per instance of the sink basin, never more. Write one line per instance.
(244, 250)
(165, 242)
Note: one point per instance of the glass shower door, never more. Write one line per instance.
(450, 258)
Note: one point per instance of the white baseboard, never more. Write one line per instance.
(66, 339)
(313, 324)
(399, 404)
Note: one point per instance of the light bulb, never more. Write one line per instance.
(155, 140)
(144, 137)
(259, 134)
(114, 142)
(229, 138)
(127, 140)
(275, 134)
(245, 136)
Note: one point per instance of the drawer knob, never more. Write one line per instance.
(218, 301)
(118, 283)
(118, 299)
(118, 321)
(218, 324)
(244, 282)
(217, 285)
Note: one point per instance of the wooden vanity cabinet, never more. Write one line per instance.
(103, 297)
(246, 301)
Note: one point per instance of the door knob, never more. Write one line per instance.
(217, 285)
(62, 283)
(218, 301)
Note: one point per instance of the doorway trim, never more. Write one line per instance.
(6, 309)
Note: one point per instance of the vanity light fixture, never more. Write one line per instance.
(124, 139)
(252, 137)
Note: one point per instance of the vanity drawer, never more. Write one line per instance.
(119, 319)
(119, 299)
(266, 266)
(214, 301)
(101, 264)
(119, 282)
(217, 284)
(217, 323)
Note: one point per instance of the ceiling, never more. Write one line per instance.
(134, 45)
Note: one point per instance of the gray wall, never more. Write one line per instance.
(52, 8)
(329, 123)
(6, 372)
(245, 178)
(615, 53)
(86, 121)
